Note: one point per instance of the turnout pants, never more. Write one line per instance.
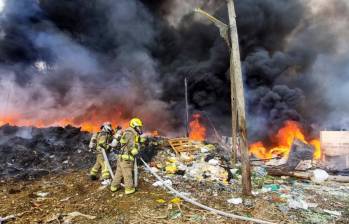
(124, 170)
(100, 164)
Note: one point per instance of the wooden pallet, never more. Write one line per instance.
(182, 145)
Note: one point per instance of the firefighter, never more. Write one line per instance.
(125, 162)
(99, 140)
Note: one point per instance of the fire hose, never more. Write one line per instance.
(106, 161)
(177, 193)
(187, 199)
(135, 169)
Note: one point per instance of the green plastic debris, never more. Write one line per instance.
(272, 187)
(175, 214)
(196, 218)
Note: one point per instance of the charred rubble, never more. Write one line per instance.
(28, 152)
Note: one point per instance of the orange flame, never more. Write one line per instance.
(282, 142)
(197, 131)
(155, 133)
(86, 124)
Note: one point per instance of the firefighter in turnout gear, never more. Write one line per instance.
(125, 162)
(100, 140)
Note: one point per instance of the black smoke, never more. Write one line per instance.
(93, 59)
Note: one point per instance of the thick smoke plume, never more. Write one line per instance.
(79, 62)
(85, 62)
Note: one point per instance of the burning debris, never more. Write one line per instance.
(300, 152)
(67, 67)
(197, 131)
(204, 173)
(282, 143)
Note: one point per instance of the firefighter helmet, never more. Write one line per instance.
(136, 122)
(106, 126)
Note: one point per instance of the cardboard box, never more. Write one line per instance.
(335, 148)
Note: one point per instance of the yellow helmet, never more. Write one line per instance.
(136, 122)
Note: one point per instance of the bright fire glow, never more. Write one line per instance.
(91, 126)
(282, 142)
(197, 131)
(155, 133)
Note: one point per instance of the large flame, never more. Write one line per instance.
(282, 142)
(87, 123)
(197, 131)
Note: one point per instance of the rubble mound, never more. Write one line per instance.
(28, 152)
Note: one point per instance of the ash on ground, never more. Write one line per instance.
(28, 152)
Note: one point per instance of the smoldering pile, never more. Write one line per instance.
(27, 152)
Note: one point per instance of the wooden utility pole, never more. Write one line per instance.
(239, 131)
(238, 86)
(186, 107)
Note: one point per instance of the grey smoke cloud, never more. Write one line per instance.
(90, 60)
(67, 79)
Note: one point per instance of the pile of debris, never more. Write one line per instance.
(294, 186)
(193, 161)
(28, 152)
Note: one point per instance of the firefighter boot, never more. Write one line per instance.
(113, 188)
(130, 190)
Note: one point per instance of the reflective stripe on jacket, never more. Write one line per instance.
(103, 140)
(130, 144)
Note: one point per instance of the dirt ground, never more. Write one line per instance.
(74, 192)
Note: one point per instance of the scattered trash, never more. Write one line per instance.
(172, 159)
(316, 218)
(70, 216)
(175, 214)
(186, 157)
(182, 167)
(4, 219)
(270, 187)
(277, 162)
(204, 149)
(283, 208)
(260, 171)
(65, 199)
(255, 193)
(202, 170)
(277, 199)
(296, 204)
(319, 176)
(234, 171)
(235, 201)
(248, 203)
(312, 205)
(207, 148)
(154, 169)
(42, 194)
(65, 162)
(160, 183)
(161, 201)
(176, 200)
(336, 213)
(171, 168)
(196, 218)
(106, 182)
(52, 217)
(213, 162)
(304, 165)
